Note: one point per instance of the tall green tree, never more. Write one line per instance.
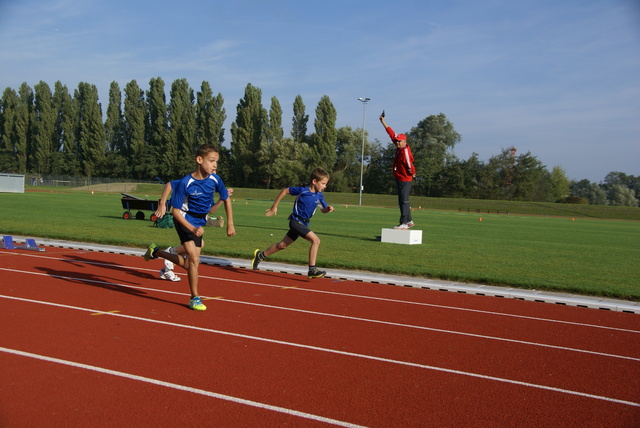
(273, 135)
(346, 173)
(451, 180)
(210, 117)
(157, 113)
(528, 175)
(620, 178)
(116, 165)
(590, 191)
(559, 184)
(181, 138)
(90, 135)
(135, 112)
(43, 129)
(247, 136)
(64, 160)
(323, 141)
(8, 159)
(432, 142)
(114, 125)
(288, 167)
(23, 127)
(299, 121)
(378, 177)
(622, 196)
(496, 178)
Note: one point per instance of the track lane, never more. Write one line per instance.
(269, 321)
(266, 371)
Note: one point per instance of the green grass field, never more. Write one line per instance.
(596, 257)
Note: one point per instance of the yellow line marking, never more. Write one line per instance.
(105, 313)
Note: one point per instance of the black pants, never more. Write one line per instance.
(404, 190)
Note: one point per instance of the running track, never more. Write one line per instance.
(95, 339)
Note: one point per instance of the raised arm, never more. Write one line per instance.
(391, 132)
(274, 208)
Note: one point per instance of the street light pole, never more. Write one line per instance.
(364, 102)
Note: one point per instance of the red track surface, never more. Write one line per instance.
(96, 339)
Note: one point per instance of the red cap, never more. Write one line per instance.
(401, 137)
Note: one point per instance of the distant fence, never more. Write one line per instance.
(11, 183)
(73, 182)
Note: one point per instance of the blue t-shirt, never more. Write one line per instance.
(306, 203)
(196, 196)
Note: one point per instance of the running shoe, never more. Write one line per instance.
(256, 259)
(315, 273)
(169, 275)
(196, 304)
(168, 264)
(410, 224)
(402, 226)
(150, 254)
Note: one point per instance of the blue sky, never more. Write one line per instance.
(557, 78)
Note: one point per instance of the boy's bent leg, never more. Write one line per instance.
(313, 250)
(172, 257)
(286, 241)
(313, 254)
(192, 265)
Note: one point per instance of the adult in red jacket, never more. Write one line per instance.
(403, 173)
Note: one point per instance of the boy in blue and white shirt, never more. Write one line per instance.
(192, 199)
(308, 199)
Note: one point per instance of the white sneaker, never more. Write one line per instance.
(402, 226)
(169, 275)
(168, 264)
(410, 224)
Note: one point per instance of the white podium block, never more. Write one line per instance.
(406, 236)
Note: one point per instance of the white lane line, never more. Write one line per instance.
(382, 299)
(367, 320)
(157, 382)
(337, 352)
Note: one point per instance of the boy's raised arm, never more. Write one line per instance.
(274, 208)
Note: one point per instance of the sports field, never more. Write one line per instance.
(596, 257)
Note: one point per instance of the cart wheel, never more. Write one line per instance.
(154, 218)
(126, 215)
(139, 215)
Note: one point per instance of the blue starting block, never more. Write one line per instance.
(29, 244)
(7, 242)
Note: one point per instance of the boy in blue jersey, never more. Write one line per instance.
(167, 272)
(307, 200)
(192, 199)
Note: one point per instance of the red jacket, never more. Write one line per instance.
(403, 169)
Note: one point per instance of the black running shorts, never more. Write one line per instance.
(297, 229)
(186, 235)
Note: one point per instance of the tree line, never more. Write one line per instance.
(144, 136)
